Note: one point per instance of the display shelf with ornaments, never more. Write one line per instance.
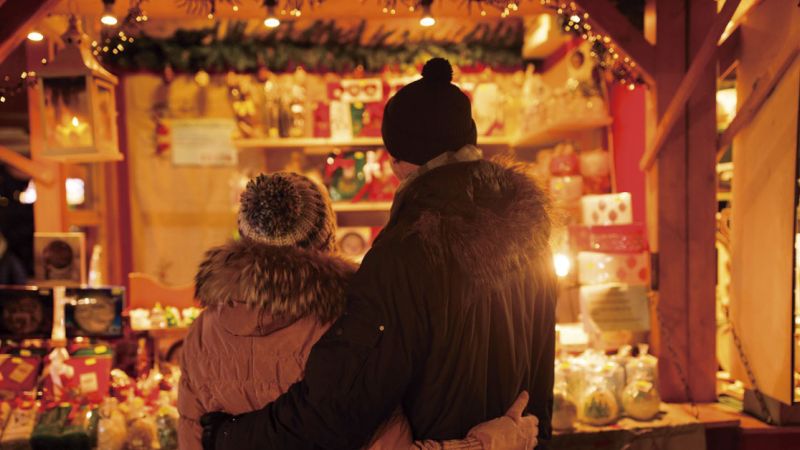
(325, 144)
(561, 131)
(368, 206)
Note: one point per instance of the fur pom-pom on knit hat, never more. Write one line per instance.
(287, 209)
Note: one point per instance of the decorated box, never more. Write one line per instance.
(94, 312)
(608, 238)
(615, 307)
(607, 209)
(598, 268)
(18, 373)
(26, 313)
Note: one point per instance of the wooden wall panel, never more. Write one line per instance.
(765, 156)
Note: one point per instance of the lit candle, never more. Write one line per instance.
(73, 133)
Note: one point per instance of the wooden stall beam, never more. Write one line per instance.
(618, 27)
(701, 208)
(667, 190)
(18, 18)
(699, 63)
(728, 53)
(40, 171)
(49, 210)
(762, 89)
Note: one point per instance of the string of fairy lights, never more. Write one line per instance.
(118, 34)
(606, 52)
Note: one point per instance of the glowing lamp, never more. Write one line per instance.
(562, 264)
(79, 115)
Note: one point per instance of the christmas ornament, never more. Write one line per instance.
(598, 406)
(641, 400)
(565, 411)
(344, 175)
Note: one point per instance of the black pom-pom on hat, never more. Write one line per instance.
(437, 70)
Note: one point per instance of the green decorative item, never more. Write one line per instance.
(344, 175)
(599, 406)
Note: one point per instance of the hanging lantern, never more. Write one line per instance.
(79, 115)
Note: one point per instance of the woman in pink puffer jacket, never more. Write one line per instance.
(268, 299)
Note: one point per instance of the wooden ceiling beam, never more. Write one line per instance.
(728, 53)
(705, 55)
(41, 171)
(612, 23)
(18, 18)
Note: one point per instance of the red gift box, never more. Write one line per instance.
(91, 377)
(608, 238)
(19, 373)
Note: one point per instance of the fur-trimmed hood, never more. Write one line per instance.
(285, 283)
(488, 218)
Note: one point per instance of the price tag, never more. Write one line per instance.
(88, 383)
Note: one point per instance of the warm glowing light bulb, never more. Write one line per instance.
(427, 21)
(272, 22)
(562, 264)
(35, 36)
(75, 122)
(108, 20)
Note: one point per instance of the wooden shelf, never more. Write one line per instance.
(84, 217)
(325, 143)
(346, 207)
(289, 143)
(560, 131)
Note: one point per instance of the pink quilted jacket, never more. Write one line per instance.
(265, 309)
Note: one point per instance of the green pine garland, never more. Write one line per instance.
(321, 47)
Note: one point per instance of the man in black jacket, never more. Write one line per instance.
(452, 312)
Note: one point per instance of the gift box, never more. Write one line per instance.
(94, 312)
(599, 268)
(17, 433)
(19, 373)
(87, 375)
(92, 373)
(341, 121)
(322, 120)
(366, 119)
(615, 307)
(363, 90)
(608, 239)
(607, 209)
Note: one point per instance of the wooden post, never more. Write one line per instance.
(701, 208)
(682, 185)
(49, 211)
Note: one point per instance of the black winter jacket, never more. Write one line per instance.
(450, 316)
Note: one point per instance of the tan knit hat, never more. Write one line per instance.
(287, 209)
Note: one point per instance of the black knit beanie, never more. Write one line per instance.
(287, 209)
(428, 117)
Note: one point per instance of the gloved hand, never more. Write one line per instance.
(510, 432)
(211, 423)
